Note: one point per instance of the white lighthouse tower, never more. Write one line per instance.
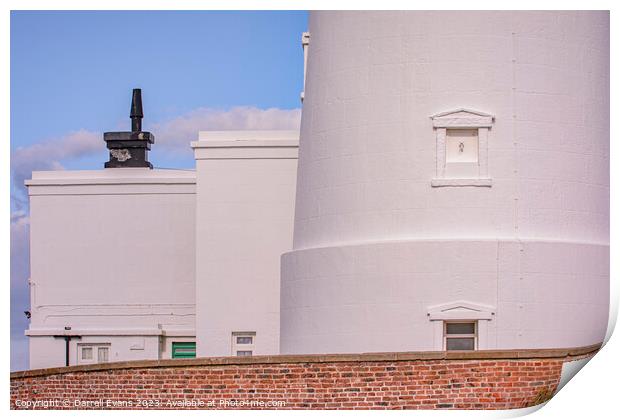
(453, 183)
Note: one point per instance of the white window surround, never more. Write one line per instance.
(462, 118)
(243, 342)
(462, 311)
(95, 352)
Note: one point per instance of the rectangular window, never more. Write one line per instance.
(462, 146)
(244, 339)
(460, 335)
(89, 353)
(103, 354)
(243, 343)
(186, 350)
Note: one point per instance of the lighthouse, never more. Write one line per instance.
(448, 190)
(452, 185)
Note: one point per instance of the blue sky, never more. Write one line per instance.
(71, 79)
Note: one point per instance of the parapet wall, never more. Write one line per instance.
(496, 379)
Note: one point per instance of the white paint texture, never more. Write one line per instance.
(112, 257)
(245, 198)
(387, 243)
(375, 245)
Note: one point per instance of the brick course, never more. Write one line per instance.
(430, 380)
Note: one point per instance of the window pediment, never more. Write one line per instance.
(462, 118)
(460, 310)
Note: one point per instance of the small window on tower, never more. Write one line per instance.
(243, 343)
(461, 146)
(244, 339)
(460, 335)
(462, 137)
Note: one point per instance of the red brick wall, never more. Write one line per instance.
(297, 382)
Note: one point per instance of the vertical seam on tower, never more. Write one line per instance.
(514, 135)
(516, 170)
(497, 279)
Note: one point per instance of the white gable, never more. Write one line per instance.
(461, 310)
(462, 117)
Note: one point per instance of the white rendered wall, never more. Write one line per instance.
(112, 257)
(245, 202)
(377, 247)
(48, 351)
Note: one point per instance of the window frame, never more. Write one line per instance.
(107, 354)
(473, 335)
(237, 347)
(94, 359)
(463, 136)
(82, 349)
(455, 174)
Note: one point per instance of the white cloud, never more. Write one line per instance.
(177, 133)
(48, 154)
(174, 135)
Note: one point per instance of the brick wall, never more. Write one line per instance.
(429, 380)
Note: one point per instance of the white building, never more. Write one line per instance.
(123, 269)
(452, 192)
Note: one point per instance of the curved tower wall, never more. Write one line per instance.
(384, 252)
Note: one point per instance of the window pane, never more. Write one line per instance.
(462, 146)
(244, 340)
(460, 328)
(87, 353)
(244, 353)
(459, 343)
(102, 354)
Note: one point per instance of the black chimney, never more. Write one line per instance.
(130, 149)
(136, 113)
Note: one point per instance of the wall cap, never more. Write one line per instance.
(112, 176)
(318, 358)
(274, 144)
(207, 138)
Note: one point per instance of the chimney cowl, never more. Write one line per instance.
(129, 149)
